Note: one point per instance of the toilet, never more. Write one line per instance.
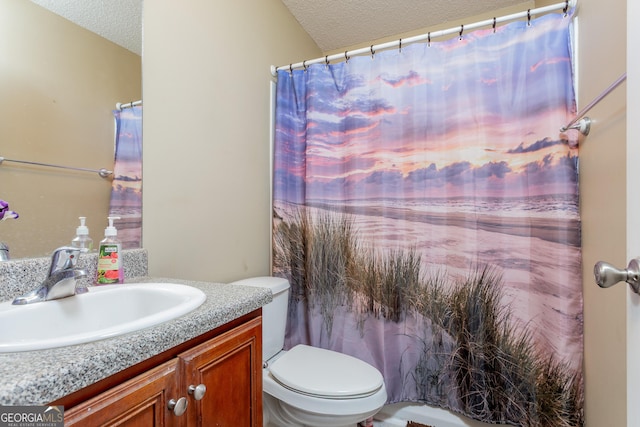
(309, 386)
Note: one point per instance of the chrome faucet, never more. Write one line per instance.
(61, 280)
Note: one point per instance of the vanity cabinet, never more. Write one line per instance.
(219, 379)
(141, 401)
(231, 370)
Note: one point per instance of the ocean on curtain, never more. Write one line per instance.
(126, 189)
(426, 216)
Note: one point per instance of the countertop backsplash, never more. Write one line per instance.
(20, 276)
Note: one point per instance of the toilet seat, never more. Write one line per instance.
(325, 374)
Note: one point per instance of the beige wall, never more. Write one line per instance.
(633, 212)
(206, 77)
(58, 86)
(206, 125)
(602, 59)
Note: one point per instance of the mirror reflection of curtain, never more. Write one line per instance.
(126, 189)
(426, 215)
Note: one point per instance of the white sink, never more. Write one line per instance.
(103, 312)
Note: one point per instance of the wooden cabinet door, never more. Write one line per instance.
(230, 366)
(140, 402)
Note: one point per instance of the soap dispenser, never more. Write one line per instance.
(82, 240)
(110, 265)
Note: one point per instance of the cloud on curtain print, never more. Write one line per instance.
(550, 174)
(538, 145)
(453, 87)
(376, 154)
(329, 167)
(497, 169)
(289, 123)
(440, 116)
(393, 178)
(129, 148)
(413, 78)
(544, 177)
(475, 117)
(459, 173)
(379, 155)
(128, 178)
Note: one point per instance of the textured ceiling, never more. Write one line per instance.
(332, 24)
(117, 20)
(336, 24)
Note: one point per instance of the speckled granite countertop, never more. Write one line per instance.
(40, 377)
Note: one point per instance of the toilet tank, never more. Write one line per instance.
(274, 314)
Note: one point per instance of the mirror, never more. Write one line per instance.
(59, 85)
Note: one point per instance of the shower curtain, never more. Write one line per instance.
(425, 212)
(126, 189)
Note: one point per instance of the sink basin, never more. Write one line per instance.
(103, 312)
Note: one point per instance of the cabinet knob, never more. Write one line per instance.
(178, 407)
(197, 391)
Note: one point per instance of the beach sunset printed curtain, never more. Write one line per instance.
(426, 216)
(126, 188)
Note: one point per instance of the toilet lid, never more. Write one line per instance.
(325, 373)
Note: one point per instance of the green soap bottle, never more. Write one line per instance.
(110, 264)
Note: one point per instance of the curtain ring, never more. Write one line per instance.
(528, 17)
(290, 68)
(400, 46)
(304, 64)
(566, 7)
(346, 58)
(461, 30)
(326, 61)
(494, 24)
(373, 52)
(429, 39)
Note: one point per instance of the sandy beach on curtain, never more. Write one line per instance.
(529, 227)
(542, 283)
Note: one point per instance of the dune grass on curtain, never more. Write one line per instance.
(496, 370)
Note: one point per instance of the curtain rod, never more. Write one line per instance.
(565, 5)
(120, 106)
(583, 124)
(104, 173)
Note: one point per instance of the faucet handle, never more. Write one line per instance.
(64, 258)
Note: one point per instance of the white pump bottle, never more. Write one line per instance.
(82, 239)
